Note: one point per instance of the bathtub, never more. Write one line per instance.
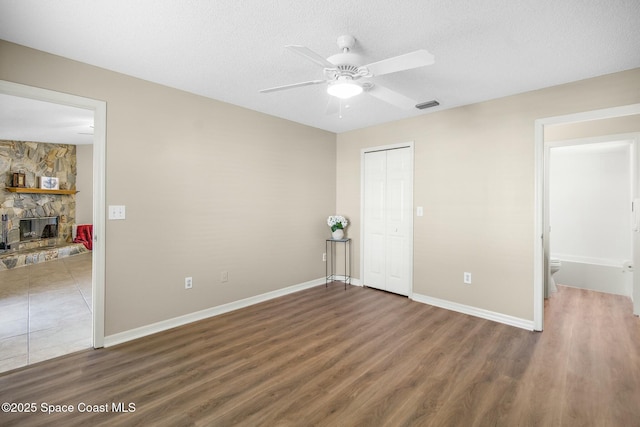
(602, 275)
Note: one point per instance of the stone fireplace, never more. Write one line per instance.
(37, 226)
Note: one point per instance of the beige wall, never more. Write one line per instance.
(208, 187)
(474, 176)
(84, 184)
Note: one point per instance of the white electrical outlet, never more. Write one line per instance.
(324, 257)
(224, 276)
(188, 282)
(467, 278)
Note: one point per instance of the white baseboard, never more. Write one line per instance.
(153, 328)
(474, 311)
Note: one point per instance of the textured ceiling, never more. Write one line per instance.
(23, 119)
(229, 49)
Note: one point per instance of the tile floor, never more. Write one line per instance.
(45, 311)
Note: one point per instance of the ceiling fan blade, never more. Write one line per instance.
(310, 55)
(291, 86)
(419, 58)
(391, 97)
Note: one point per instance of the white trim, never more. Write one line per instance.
(538, 233)
(99, 109)
(164, 325)
(474, 311)
(411, 146)
(540, 208)
(99, 222)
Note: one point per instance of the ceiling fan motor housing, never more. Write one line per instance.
(347, 64)
(349, 71)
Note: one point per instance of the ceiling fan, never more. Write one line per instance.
(346, 76)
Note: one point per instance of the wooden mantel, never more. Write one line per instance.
(38, 190)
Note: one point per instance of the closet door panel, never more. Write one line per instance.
(375, 218)
(399, 208)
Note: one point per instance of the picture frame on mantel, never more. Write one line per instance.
(49, 183)
(18, 180)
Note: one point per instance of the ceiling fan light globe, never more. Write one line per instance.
(344, 90)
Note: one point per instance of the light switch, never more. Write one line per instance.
(116, 212)
(419, 211)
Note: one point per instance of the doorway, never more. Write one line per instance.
(387, 218)
(98, 185)
(541, 212)
(590, 193)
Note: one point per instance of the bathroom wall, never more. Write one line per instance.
(590, 216)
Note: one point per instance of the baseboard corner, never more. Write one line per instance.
(475, 311)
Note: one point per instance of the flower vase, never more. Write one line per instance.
(338, 234)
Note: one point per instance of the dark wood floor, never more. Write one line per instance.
(354, 358)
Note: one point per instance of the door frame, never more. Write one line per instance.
(631, 138)
(99, 109)
(541, 208)
(410, 145)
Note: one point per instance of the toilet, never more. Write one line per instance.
(554, 266)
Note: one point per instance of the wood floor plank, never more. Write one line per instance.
(360, 357)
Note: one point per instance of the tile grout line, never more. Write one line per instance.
(82, 295)
(75, 282)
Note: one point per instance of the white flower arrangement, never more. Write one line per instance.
(336, 222)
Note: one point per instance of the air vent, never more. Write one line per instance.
(427, 104)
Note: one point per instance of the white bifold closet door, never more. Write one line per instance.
(388, 221)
